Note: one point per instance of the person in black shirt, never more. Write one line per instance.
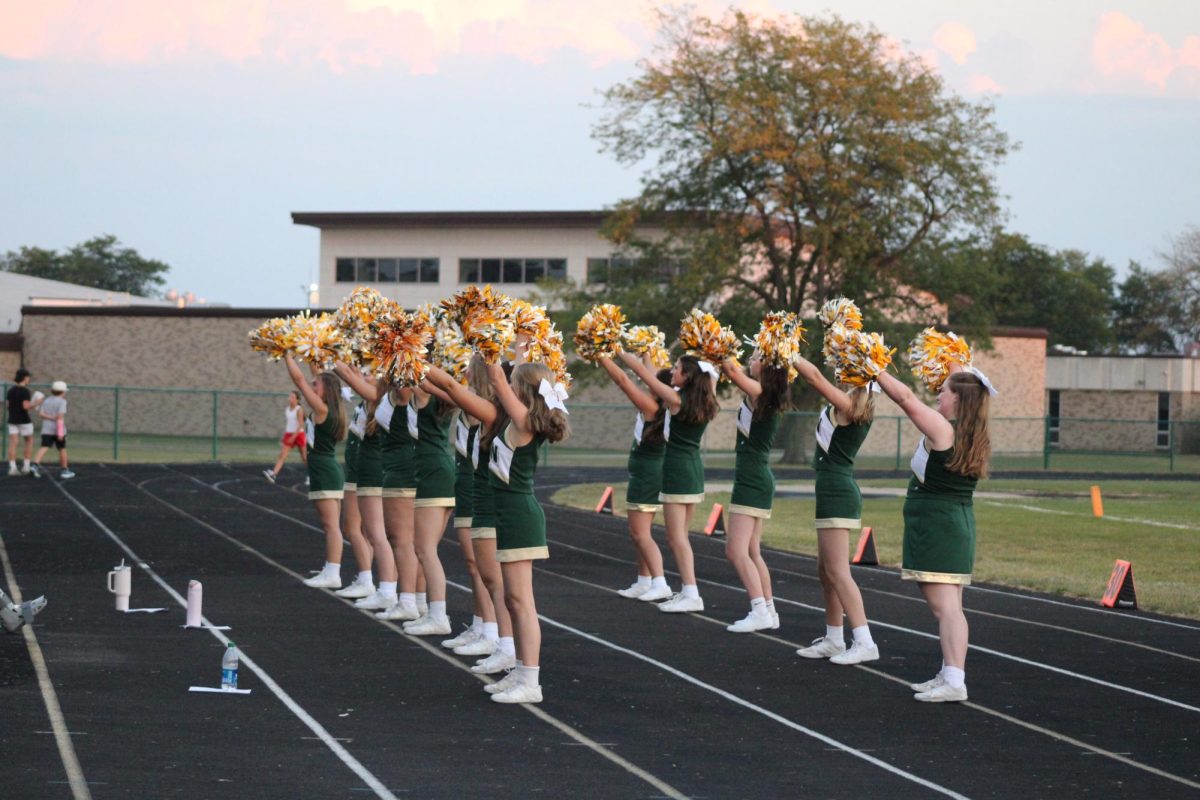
(20, 424)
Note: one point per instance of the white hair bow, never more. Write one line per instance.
(983, 379)
(555, 395)
(874, 387)
(708, 368)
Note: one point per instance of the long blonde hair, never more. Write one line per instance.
(972, 434)
(551, 424)
(862, 405)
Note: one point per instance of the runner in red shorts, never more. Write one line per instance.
(293, 436)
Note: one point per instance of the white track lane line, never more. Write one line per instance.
(670, 670)
(1062, 737)
(58, 722)
(318, 730)
(662, 786)
(876, 622)
(1108, 517)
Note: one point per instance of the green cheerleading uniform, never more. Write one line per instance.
(683, 471)
(520, 523)
(464, 472)
(753, 482)
(325, 478)
(350, 464)
(839, 501)
(370, 465)
(645, 471)
(399, 472)
(939, 520)
(435, 467)
(483, 504)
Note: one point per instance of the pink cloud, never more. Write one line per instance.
(983, 84)
(955, 40)
(1123, 49)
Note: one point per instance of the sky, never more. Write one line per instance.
(192, 129)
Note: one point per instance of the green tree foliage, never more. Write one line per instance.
(797, 158)
(100, 262)
(1142, 312)
(1183, 276)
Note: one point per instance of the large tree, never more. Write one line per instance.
(1183, 274)
(101, 262)
(798, 158)
(1142, 312)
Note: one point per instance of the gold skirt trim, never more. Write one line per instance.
(649, 508)
(750, 511)
(370, 491)
(462, 522)
(402, 493)
(483, 533)
(522, 554)
(838, 522)
(935, 577)
(349, 487)
(434, 502)
(685, 499)
(327, 494)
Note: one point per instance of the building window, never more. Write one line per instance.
(1163, 433)
(386, 270)
(1054, 413)
(604, 270)
(510, 270)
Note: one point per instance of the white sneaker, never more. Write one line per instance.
(823, 647)
(356, 591)
(376, 601)
(633, 592)
(653, 595)
(925, 686)
(427, 626)
(398, 612)
(25, 470)
(496, 662)
(422, 609)
(774, 620)
(270, 475)
(943, 693)
(66, 474)
(504, 684)
(754, 621)
(13, 471)
(482, 646)
(35, 470)
(857, 654)
(323, 581)
(519, 694)
(468, 635)
(682, 605)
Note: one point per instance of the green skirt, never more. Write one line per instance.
(370, 465)
(464, 500)
(682, 477)
(350, 466)
(435, 480)
(753, 487)
(483, 508)
(520, 527)
(939, 540)
(325, 478)
(839, 501)
(398, 469)
(645, 481)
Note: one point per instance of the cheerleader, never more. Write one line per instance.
(352, 515)
(939, 518)
(645, 482)
(766, 397)
(325, 480)
(478, 400)
(537, 413)
(691, 402)
(841, 429)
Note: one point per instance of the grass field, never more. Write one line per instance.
(1045, 539)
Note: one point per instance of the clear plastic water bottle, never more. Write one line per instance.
(229, 667)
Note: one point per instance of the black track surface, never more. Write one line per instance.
(1066, 701)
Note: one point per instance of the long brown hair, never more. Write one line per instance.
(549, 423)
(698, 398)
(776, 394)
(652, 429)
(369, 407)
(862, 405)
(330, 389)
(972, 435)
(477, 382)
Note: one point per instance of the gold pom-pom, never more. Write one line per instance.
(857, 357)
(643, 339)
(271, 337)
(931, 354)
(449, 351)
(702, 336)
(316, 340)
(400, 349)
(841, 311)
(600, 332)
(778, 340)
(359, 317)
(486, 318)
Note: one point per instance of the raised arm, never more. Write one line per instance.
(513, 406)
(435, 390)
(815, 378)
(319, 409)
(735, 373)
(937, 429)
(642, 400)
(666, 393)
(462, 396)
(366, 389)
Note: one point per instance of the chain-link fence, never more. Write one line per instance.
(139, 424)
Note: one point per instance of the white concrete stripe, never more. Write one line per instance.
(343, 755)
(58, 722)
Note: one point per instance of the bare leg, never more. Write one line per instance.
(283, 451)
(41, 452)
(398, 518)
(945, 601)
(764, 575)
(62, 458)
(649, 557)
(28, 448)
(430, 525)
(837, 584)
(480, 599)
(374, 533)
(737, 550)
(679, 518)
(327, 510)
(489, 571)
(518, 596)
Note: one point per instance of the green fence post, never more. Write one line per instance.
(215, 405)
(116, 423)
(899, 443)
(1046, 442)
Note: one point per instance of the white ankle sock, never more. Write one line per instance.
(477, 623)
(407, 599)
(506, 645)
(862, 635)
(387, 588)
(421, 599)
(758, 605)
(13, 465)
(658, 582)
(529, 675)
(690, 590)
(955, 677)
(643, 580)
(491, 631)
(365, 578)
(835, 633)
(25, 464)
(332, 569)
(437, 609)
(771, 605)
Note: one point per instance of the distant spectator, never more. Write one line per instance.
(20, 426)
(54, 430)
(295, 434)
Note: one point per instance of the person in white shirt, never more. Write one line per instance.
(53, 412)
(294, 435)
